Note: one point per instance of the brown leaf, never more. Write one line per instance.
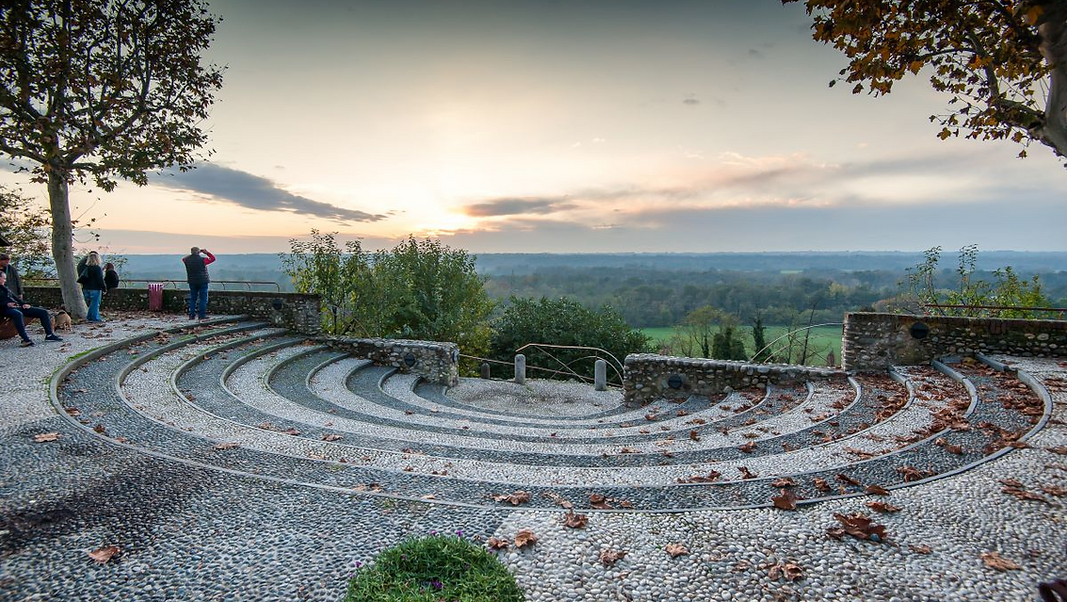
(525, 538)
(515, 498)
(225, 446)
(844, 478)
(650, 416)
(677, 549)
(331, 437)
(46, 437)
(710, 477)
(911, 474)
(694, 436)
(857, 525)
(1014, 483)
(496, 543)
(859, 453)
(599, 501)
(100, 428)
(821, 484)
(104, 553)
(748, 448)
(291, 431)
(610, 557)
(994, 561)
(575, 521)
(1054, 490)
(1061, 450)
(923, 549)
(75, 412)
(785, 500)
(883, 507)
(874, 489)
(784, 482)
(789, 571)
(952, 449)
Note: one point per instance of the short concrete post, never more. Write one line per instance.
(485, 370)
(600, 375)
(520, 368)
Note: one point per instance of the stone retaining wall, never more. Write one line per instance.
(647, 377)
(295, 311)
(876, 341)
(437, 362)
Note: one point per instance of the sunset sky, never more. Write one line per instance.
(569, 126)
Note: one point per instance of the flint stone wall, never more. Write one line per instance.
(873, 341)
(436, 362)
(646, 376)
(295, 311)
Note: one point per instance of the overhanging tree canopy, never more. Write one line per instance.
(101, 90)
(1003, 62)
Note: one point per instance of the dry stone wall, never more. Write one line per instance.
(647, 377)
(295, 311)
(876, 341)
(436, 362)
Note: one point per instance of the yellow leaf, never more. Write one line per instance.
(1034, 14)
(914, 66)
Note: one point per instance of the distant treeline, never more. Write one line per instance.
(660, 290)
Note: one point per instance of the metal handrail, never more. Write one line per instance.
(549, 370)
(769, 345)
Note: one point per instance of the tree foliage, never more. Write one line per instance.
(421, 289)
(1003, 63)
(562, 321)
(25, 226)
(970, 294)
(709, 332)
(101, 90)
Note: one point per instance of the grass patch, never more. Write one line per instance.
(823, 338)
(431, 569)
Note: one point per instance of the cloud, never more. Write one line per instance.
(517, 206)
(255, 192)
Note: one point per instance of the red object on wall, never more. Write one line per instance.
(155, 296)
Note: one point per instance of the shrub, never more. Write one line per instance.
(432, 569)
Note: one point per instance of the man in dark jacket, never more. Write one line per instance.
(14, 308)
(196, 273)
(14, 283)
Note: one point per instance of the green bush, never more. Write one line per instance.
(434, 569)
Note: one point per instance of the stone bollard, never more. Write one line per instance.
(485, 370)
(600, 375)
(520, 368)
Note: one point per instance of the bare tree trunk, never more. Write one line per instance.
(63, 246)
(1054, 48)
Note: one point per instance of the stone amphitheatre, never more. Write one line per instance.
(247, 457)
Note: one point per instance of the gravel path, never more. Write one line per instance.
(278, 521)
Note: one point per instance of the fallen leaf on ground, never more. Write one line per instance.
(748, 448)
(789, 571)
(46, 437)
(923, 549)
(222, 446)
(994, 561)
(694, 436)
(559, 500)
(883, 507)
(610, 557)
(1054, 490)
(1061, 450)
(331, 437)
(575, 521)
(746, 473)
(104, 554)
(876, 490)
(599, 501)
(515, 497)
(821, 484)
(857, 525)
(783, 482)
(525, 538)
(495, 543)
(785, 500)
(677, 549)
(844, 478)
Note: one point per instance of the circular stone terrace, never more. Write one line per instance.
(232, 460)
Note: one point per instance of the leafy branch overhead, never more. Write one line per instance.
(1003, 63)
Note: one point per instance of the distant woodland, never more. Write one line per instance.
(651, 290)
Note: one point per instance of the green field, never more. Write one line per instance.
(822, 338)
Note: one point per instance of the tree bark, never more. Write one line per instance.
(1054, 48)
(63, 246)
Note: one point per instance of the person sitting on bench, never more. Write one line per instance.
(14, 308)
